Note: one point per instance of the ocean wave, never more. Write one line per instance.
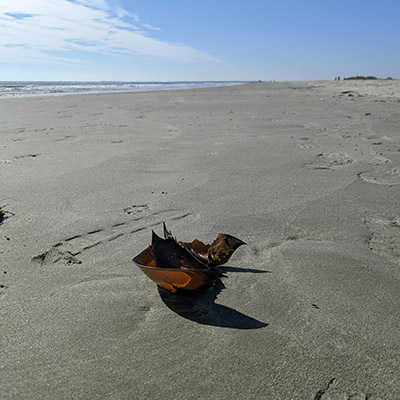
(30, 89)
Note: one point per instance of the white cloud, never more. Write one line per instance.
(93, 3)
(154, 28)
(37, 31)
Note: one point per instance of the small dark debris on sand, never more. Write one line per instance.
(4, 213)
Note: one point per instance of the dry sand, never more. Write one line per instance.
(307, 173)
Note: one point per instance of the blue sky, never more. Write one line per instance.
(171, 40)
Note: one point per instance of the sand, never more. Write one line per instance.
(307, 173)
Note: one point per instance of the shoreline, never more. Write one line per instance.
(64, 88)
(373, 87)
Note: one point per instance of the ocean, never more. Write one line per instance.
(29, 89)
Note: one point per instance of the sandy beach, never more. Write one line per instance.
(306, 173)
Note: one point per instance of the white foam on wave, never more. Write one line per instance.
(30, 89)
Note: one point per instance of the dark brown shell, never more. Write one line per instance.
(185, 265)
(174, 279)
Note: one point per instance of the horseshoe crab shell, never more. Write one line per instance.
(173, 279)
(183, 266)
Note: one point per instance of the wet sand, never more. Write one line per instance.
(307, 173)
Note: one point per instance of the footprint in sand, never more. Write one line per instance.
(332, 390)
(330, 161)
(67, 251)
(54, 256)
(382, 175)
(136, 209)
(349, 93)
(385, 236)
(306, 144)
